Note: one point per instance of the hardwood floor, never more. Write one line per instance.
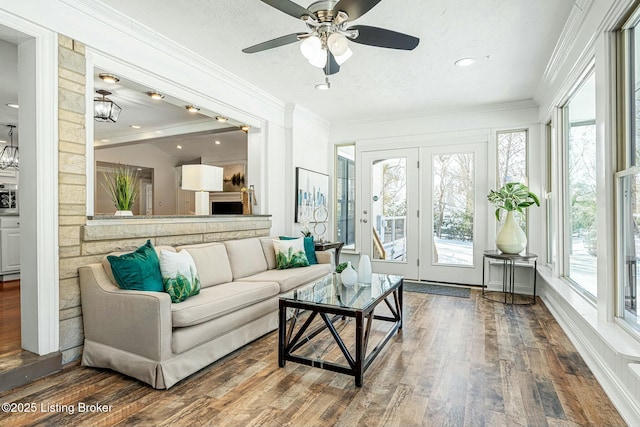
(10, 343)
(457, 362)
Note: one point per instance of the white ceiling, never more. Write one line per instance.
(512, 40)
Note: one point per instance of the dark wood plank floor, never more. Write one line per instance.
(10, 343)
(457, 362)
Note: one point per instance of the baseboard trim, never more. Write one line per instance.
(26, 367)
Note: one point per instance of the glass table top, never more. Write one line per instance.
(330, 290)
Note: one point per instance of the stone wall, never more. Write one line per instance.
(83, 242)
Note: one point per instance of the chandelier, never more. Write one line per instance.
(10, 157)
(104, 109)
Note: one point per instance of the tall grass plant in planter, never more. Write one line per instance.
(122, 187)
(512, 197)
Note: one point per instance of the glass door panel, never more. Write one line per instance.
(389, 215)
(453, 208)
(454, 203)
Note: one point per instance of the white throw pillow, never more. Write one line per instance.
(290, 253)
(179, 275)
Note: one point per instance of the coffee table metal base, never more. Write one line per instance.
(357, 364)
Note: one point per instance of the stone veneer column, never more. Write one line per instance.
(71, 190)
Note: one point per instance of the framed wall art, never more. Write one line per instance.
(312, 196)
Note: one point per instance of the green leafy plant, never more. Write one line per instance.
(122, 187)
(513, 196)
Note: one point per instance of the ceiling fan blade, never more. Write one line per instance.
(355, 8)
(270, 44)
(332, 66)
(380, 37)
(290, 8)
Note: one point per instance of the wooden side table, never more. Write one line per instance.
(323, 246)
(509, 273)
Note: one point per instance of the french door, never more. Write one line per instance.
(423, 213)
(389, 211)
(454, 226)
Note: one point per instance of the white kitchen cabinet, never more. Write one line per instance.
(10, 241)
(9, 244)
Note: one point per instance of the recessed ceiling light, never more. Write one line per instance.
(465, 62)
(216, 142)
(12, 105)
(155, 95)
(245, 128)
(192, 108)
(221, 119)
(109, 78)
(2, 141)
(179, 147)
(135, 126)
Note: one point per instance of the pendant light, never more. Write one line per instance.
(104, 109)
(10, 157)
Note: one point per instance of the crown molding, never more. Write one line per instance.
(431, 113)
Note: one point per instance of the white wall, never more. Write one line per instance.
(478, 125)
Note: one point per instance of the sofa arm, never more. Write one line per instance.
(324, 257)
(138, 322)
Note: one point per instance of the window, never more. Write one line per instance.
(512, 162)
(549, 184)
(628, 178)
(346, 195)
(580, 232)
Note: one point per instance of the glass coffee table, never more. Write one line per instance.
(333, 305)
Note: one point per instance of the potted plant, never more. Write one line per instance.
(511, 197)
(122, 187)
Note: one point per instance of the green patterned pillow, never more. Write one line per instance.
(290, 254)
(179, 276)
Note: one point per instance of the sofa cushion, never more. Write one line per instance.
(216, 301)
(179, 275)
(138, 270)
(293, 277)
(211, 261)
(269, 252)
(246, 257)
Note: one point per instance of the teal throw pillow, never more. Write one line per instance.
(290, 254)
(139, 270)
(179, 276)
(309, 248)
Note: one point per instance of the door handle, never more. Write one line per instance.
(364, 220)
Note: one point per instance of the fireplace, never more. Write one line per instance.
(226, 203)
(226, 208)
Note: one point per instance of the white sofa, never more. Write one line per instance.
(146, 336)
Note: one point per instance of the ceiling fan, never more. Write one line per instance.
(325, 44)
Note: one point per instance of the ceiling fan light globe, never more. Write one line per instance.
(319, 60)
(338, 44)
(310, 47)
(341, 59)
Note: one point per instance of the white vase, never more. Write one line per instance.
(123, 213)
(349, 276)
(511, 239)
(364, 270)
